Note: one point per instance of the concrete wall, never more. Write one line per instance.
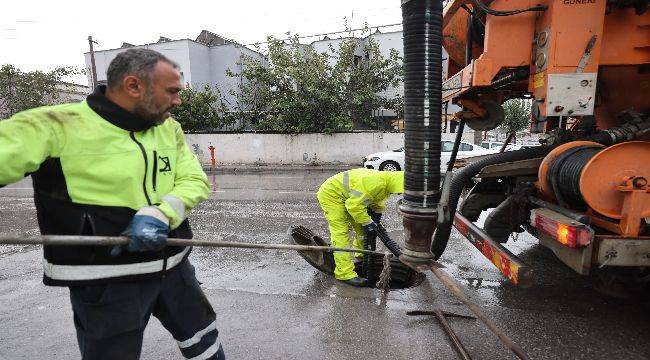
(250, 148)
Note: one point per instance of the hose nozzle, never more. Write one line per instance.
(419, 225)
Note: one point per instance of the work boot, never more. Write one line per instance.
(357, 281)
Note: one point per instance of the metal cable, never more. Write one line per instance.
(479, 5)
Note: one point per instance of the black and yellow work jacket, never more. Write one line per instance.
(93, 165)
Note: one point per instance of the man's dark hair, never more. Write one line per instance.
(136, 61)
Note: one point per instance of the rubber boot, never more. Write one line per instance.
(357, 281)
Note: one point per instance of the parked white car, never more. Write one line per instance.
(513, 147)
(394, 160)
(492, 145)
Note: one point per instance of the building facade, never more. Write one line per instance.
(387, 42)
(203, 61)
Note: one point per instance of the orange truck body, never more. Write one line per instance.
(551, 44)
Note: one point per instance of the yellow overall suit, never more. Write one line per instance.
(345, 199)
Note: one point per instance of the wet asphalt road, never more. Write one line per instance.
(273, 305)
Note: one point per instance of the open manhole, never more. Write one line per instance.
(401, 276)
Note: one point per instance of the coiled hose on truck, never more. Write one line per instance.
(624, 132)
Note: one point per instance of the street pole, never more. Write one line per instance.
(478, 137)
(93, 69)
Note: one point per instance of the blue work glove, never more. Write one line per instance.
(147, 231)
(370, 230)
(375, 216)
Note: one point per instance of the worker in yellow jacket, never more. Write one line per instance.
(356, 197)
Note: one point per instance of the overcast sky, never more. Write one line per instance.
(45, 34)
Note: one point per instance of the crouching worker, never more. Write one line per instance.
(350, 198)
(115, 164)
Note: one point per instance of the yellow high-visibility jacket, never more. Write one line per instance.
(361, 189)
(93, 165)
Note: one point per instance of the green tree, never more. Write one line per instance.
(202, 110)
(26, 90)
(301, 90)
(517, 115)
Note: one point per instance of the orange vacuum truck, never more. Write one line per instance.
(585, 66)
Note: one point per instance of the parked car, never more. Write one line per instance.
(512, 147)
(492, 145)
(394, 160)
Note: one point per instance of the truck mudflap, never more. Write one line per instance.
(619, 251)
(508, 263)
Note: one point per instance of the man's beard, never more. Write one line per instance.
(151, 113)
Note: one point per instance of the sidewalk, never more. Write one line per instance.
(266, 168)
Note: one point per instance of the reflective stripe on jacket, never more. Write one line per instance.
(362, 189)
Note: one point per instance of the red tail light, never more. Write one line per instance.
(561, 228)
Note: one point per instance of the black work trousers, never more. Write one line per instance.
(110, 319)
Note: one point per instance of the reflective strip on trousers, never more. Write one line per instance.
(209, 352)
(198, 336)
(94, 272)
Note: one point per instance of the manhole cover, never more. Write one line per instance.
(401, 276)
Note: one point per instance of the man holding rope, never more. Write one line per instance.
(118, 164)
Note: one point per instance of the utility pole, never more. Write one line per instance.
(92, 60)
(478, 137)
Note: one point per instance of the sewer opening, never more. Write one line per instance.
(401, 276)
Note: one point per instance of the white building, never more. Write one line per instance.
(386, 41)
(69, 92)
(205, 60)
(202, 61)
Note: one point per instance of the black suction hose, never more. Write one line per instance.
(388, 242)
(370, 243)
(422, 24)
(465, 175)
